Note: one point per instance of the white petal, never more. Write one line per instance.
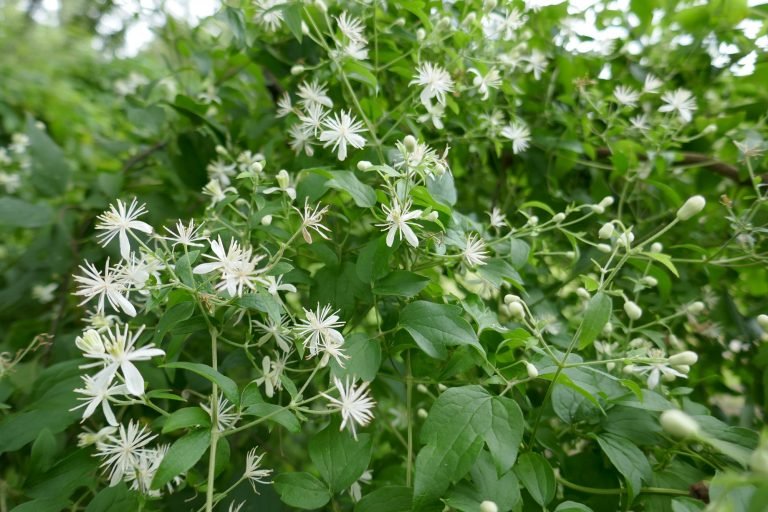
(141, 226)
(125, 245)
(108, 414)
(410, 236)
(133, 379)
(205, 268)
(391, 236)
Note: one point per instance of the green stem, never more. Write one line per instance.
(615, 492)
(214, 427)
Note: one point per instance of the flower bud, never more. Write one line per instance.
(632, 310)
(421, 388)
(488, 506)
(320, 4)
(297, 69)
(606, 201)
(364, 165)
(649, 281)
(432, 216)
(516, 310)
(625, 239)
(470, 19)
(400, 22)
(257, 167)
(533, 220)
(421, 34)
(656, 247)
(691, 207)
(410, 143)
(558, 217)
(442, 387)
(283, 179)
(682, 368)
(597, 209)
(606, 231)
(688, 357)
(489, 5)
(608, 328)
(266, 220)
(696, 308)
(604, 248)
(762, 321)
(444, 23)
(221, 150)
(630, 368)
(90, 342)
(679, 424)
(422, 413)
(570, 254)
(510, 298)
(582, 292)
(532, 371)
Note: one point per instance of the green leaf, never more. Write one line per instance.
(436, 326)
(276, 413)
(400, 283)
(572, 506)
(183, 268)
(186, 417)
(387, 499)
(364, 358)
(497, 272)
(172, 316)
(339, 457)
(114, 499)
(373, 261)
(227, 385)
(506, 432)
(664, 259)
(595, 317)
(50, 171)
(453, 433)
(301, 490)
(360, 72)
(443, 189)
(181, 456)
(537, 477)
(292, 17)
(43, 505)
(363, 195)
(628, 459)
(21, 214)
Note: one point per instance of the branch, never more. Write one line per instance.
(143, 155)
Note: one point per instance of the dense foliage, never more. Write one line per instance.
(386, 255)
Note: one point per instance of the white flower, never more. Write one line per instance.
(320, 329)
(342, 130)
(312, 117)
(276, 329)
(88, 438)
(145, 469)
(284, 185)
(224, 261)
(497, 219)
(484, 84)
(537, 63)
(626, 95)
(121, 453)
(300, 139)
(314, 93)
(120, 353)
(11, 182)
(519, 134)
(355, 490)
(435, 80)
(99, 321)
(474, 253)
(652, 84)
(680, 101)
(222, 172)
(398, 218)
(213, 189)
(655, 370)
(284, 105)
(43, 293)
(97, 392)
(253, 472)
(312, 219)
(269, 14)
(237, 267)
(272, 370)
(640, 122)
(119, 222)
(185, 235)
(274, 285)
(351, 27)
(109, 285)
(226, 413)
(435, 114)
(354, 403)
(355, 50)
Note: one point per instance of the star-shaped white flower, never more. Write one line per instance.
(398, 218)
(341, 130)
(119, 222)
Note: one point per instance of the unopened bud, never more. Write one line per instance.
(679, 424)
(90, 342)
(649, 281)
(582, 292)
(432, 216)
(364, 165)
(410, 143)
(608, 328)
(532, 371)
(221, 149)
(516, 310)
(489, 5)
(691, 207)
(606, 231)
(297, 69)
(421, 34)
(604, 248)
(762, 321)
(632, 310)
(266, 220)
(682, 368)
(421, 388)
(442, 387)
(400, 22)
(558, 217)
(510, 298)
(606, 202)
(688, 357)
(488, 506)
(533, 220)
(597, 209)
(696, 308)
(656, 247)
(470, 19)
(421, 413)
(283, 179)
